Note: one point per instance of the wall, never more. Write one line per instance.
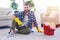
(41, 6)
(7, 3)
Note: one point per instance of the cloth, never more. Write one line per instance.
(21, 30)
(18, 21)
(31, 18)
(25, 20)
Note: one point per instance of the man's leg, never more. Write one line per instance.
(23, 30)
(13, 26)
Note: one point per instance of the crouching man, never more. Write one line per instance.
(23, 21)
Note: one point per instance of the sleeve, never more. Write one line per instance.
(34, 19)
(17, 13)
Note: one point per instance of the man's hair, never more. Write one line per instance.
(26, 4)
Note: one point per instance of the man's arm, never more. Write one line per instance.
(16, 19)
(34, 22)
(13, 17)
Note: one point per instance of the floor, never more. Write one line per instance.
(32, 36)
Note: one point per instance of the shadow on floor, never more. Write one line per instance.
(3, 27)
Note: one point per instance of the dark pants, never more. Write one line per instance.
(21, 30)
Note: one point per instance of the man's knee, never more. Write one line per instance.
(28, 31)
(24, 31)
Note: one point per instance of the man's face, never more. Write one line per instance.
(26, 8)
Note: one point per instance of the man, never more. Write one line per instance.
(23, 21)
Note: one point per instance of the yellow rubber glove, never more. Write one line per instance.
(38, 29)
(18, 21)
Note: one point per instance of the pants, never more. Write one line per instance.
(22, 30)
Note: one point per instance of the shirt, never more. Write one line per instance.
(31, 17)
(25, 20)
